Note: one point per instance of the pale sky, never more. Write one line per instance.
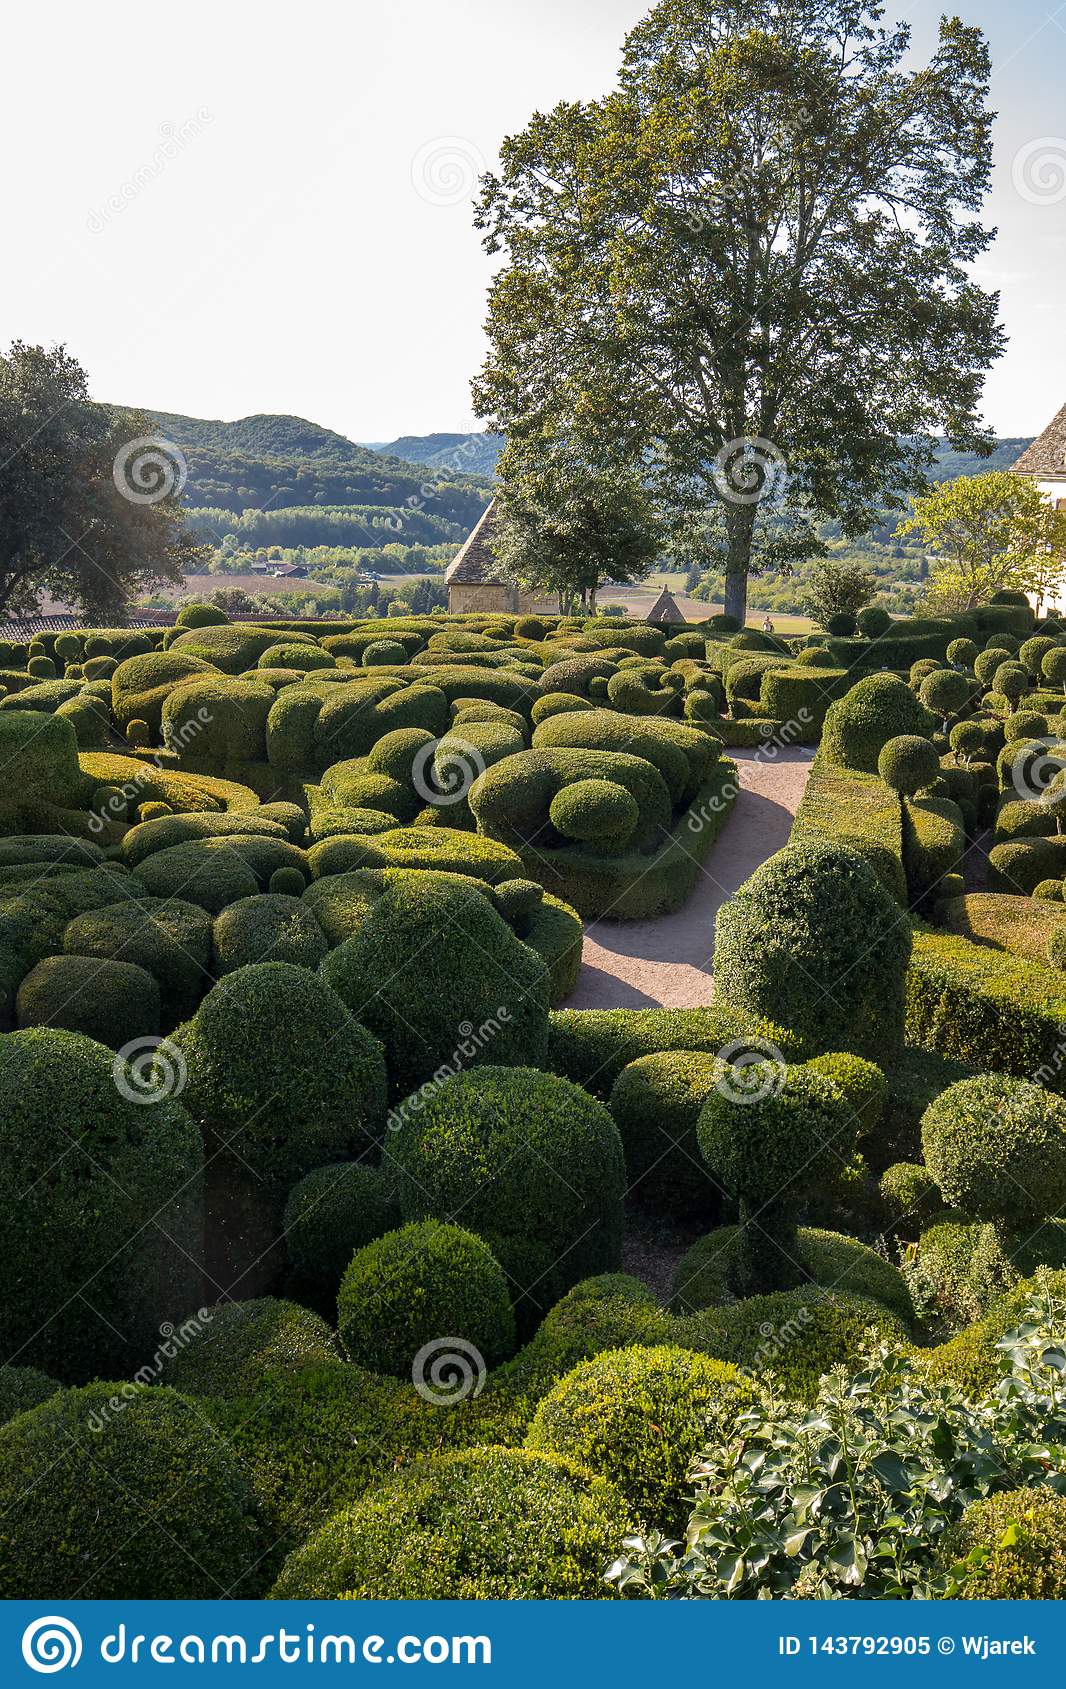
(236, 207)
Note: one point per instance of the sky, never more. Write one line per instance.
(243, 207)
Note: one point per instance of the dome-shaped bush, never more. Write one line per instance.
(946, 692)
(124, 1492)
(267, 928)
(814, 942)
(426, 1283)
(332, 1212)
(112, 1002)
(594, 809)
(141, 685)
(22, 1388)
(201, 615)
(911, 1197)
(169, 939)
(280, 1072)
(108, 1203)
(533, 1165)
(908, 764)
(396, 754)
(486, 1524)
(303, 658)
(963, 653)
(1024, 724)
(287, 882)
(641, 1416)
(873, 621)
(227, 1351)
(877, 709)
(432, 967)
(1011, 681)
(206, 872)
(829, 1259)
(1008, 1547)
(1031, 653)
(969, 739)
(656, 1103)
(381, 652)
(1053, 666)
(841, 625)
(996, 1146)
(557, 703)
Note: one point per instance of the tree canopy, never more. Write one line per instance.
(989, 533)
(745, 271)
(89, 508)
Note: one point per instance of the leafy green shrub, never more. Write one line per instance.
(828, 1259)
(557, 703)
(484, 1524)
(1008, 1547)
(656, 1102)
(860, 724)
(532, 1163)
(170, 940)
(911, 1197)
(201, 615)
(21, 1388)
(109, 1195)
(286, 882)
(330, 1213)
(908, 764)
(280, 1073)
(592, 1046)
(381, 652)
(202, 871)
(113, 1002)
(267, 928)
(518, 902)
(814, 942)
(946, 692)
(873, 621)
(640, 1415)
(227, 1351)
(862, 1084)
(590, 810)
(121, 1492)
(796, 1335)
(304, 658)
(963, 653)
(996, 1147)
(430, 965)
(415, 1286)
(140, 686)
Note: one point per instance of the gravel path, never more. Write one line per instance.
(666, 962)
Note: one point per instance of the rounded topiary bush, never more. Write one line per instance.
(1053, 666)
(641, 1416)
(227, 1351)
(1011, 681)
(911, 1197)
(518, 902)
(112, 1002)
(873, 621)
(531, 1162)
(1049, 891)
(22, 1388)
(877, 709)
(594, 809)
(996, 1147)
(828, 1259)
(108, 1197)
(963, 653)
(267, 928)
(1008, 1547)
(656, 1102)
(486, 1524)
(969, 739)
(434, 969)
(124, 1492)
(287, 882)
(303, 658)
(381, 652)
(425, 1284)
(841, 625)
(280, 1073)
(200, 615)
(169, 939)
(330, 1213)
(908, 764)
(813, 941)
(945, 692)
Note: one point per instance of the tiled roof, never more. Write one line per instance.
(476, 561)
(1047, 454)
(664, 609)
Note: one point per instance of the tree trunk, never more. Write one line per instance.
(766, 1254)
(740, 528)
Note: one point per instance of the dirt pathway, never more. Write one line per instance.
(666, 962)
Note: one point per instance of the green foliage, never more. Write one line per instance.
(425, 1284)
(280, 1073)
(485, 1524)
(989, 532)
(911, 1197)
(656, 1103)
(996, 1146)
(877, 709)
(590, 810)
(908, 764)
(113, 1002)
(332, 1212)
(229, 1350)
(828, 1259)
(835, 594)
(640, 1416)
(109, 1196)
(22, 1388)
(531, 1162)
(268, 928)
(814, 942)
(1008, 1547)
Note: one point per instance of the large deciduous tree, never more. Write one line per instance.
(89, 509)
(988, 533)
(746, 269)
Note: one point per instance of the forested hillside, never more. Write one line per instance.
(469, 454)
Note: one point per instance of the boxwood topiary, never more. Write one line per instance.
(656, 1102)
(996, 1147)
(113, 1002)
(1008, 1547)
(123, 1492)
(908, 764)
(109, 1198)
(432, 967)
(911, 1197)
(830, 1260)
(201, 871)
(814, 942)
(170, 939)
(227, 1351)
(877, 709)
(641, 1416)
(531, 1162)
(485, 1524)
(589, 810)
(425, 1284)
(330, 1213)
(268, 928)
(280, 1073)
(21, 1388)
